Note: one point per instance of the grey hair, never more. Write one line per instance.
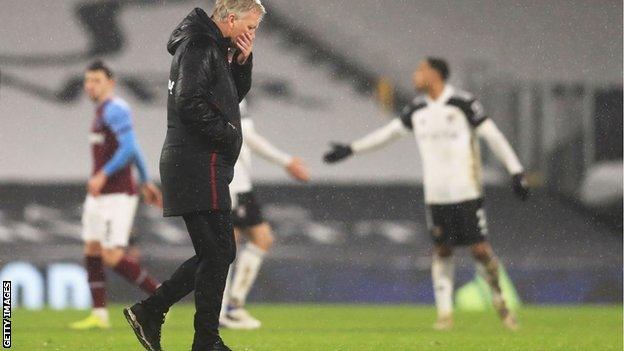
(223, 8)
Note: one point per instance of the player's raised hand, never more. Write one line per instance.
(245, 44)
(152, 195)
(338, 152)
(297, 169)
(520, 186)
(96, 183)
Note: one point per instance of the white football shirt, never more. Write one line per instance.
(447, 131)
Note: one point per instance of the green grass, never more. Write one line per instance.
(343, 327)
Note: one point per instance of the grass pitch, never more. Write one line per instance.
(342, 328)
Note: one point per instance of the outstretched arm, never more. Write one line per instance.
(261, 146)
(380, 137)
(499, 145)
(502, 150)
(373, 141)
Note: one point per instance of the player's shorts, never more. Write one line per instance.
(247, 212)
(457, 224)
(108, 219)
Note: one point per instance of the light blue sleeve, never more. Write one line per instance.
(139, 161)
(117, 118)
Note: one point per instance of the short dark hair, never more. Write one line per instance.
(439, 64)
(98, 65)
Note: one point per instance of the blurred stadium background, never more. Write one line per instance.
(549, 73)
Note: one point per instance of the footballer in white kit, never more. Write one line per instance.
(248, 221)
(448, 124)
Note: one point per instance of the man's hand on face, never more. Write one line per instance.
(244, 43)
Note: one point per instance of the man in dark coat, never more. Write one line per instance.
(210, 74)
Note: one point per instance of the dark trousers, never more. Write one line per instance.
(213, 240)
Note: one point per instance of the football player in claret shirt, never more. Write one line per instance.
(447, 124)
(112, 199)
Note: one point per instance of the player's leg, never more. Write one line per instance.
(475, 230)
(238, 219)
(97, 286)
(122, 209)
(248, 219)
(228, 281)
(260, 240)
(98, 319)
(129, 268)
(93, 230)
(226, 294)
(443, 275)
(96, 276)
(488, 268)
(439, 222)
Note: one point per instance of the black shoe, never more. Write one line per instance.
(219, 346)
(146, 326)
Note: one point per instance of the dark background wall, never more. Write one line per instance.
(346, 243)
